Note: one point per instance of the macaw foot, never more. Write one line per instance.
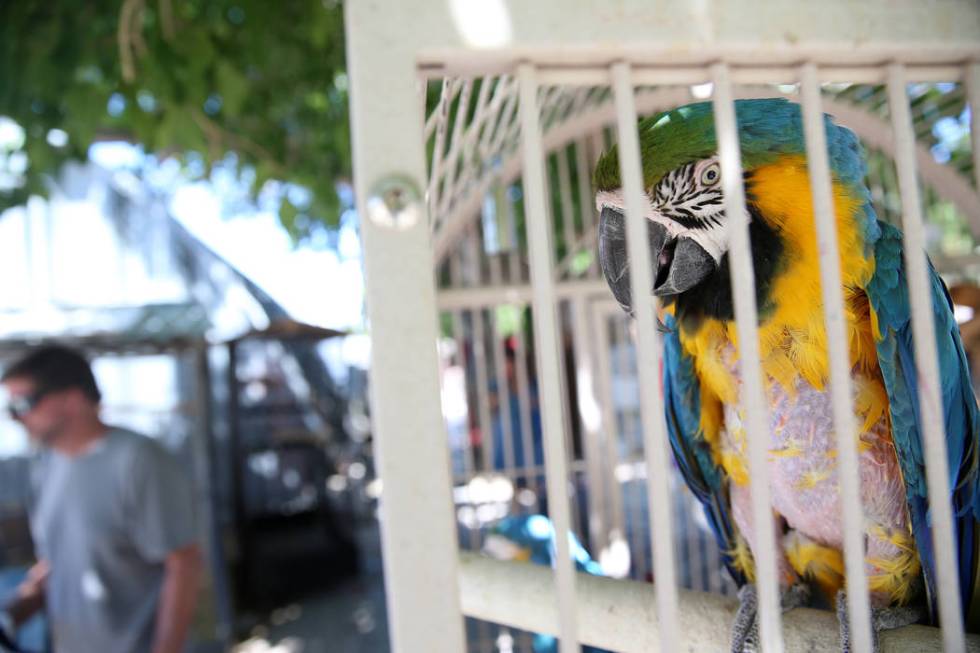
(881, 619)
(745, 629)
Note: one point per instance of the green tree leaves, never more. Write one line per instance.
(190, 79)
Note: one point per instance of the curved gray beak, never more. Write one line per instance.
(676, 264)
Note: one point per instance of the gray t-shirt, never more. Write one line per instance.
(105, 521)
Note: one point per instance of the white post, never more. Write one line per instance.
(487, 445)
(753, 398)
(655, 444)
(588, 416)
(547, 338)
(926, 363)
(818, 164)
(439, 147)
(587, 206)
(418, 533)
(599, 319)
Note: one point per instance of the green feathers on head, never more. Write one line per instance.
(667, 141)
(768, 128)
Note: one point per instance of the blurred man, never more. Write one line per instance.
(112, 518)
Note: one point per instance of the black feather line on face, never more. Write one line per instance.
(681, 198)
(712, 298)
(685, 221)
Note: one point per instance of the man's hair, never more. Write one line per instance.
(53, 368)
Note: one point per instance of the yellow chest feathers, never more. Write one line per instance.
(793, 340)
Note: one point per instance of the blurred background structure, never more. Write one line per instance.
(181, 212)
(193, 352)
(175, 199)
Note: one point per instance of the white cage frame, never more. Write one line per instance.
(624, 43)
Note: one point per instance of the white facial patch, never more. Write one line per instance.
(615, 199)
(714, 241)
(688, 202)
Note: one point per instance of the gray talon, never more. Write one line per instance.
(881, 619)
(890, 618)
(745, 630)
(843, 624)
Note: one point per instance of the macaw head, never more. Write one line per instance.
(687, 227)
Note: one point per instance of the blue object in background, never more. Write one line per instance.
(535, 536)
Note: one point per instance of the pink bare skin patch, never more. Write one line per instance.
(803, 471)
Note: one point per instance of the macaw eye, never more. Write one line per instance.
(711, 175)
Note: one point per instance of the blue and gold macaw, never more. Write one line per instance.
(687, 234)
(531, 538)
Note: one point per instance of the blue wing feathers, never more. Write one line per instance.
(682, 402)
(887, 291)
(888, 295)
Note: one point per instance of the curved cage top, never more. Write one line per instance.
(472, 132)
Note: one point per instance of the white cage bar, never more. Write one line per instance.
(648, 354)
(546, 337)
(926, 364)
(840, 374)
(526, 83)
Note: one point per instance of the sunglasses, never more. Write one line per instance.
(17, 407)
